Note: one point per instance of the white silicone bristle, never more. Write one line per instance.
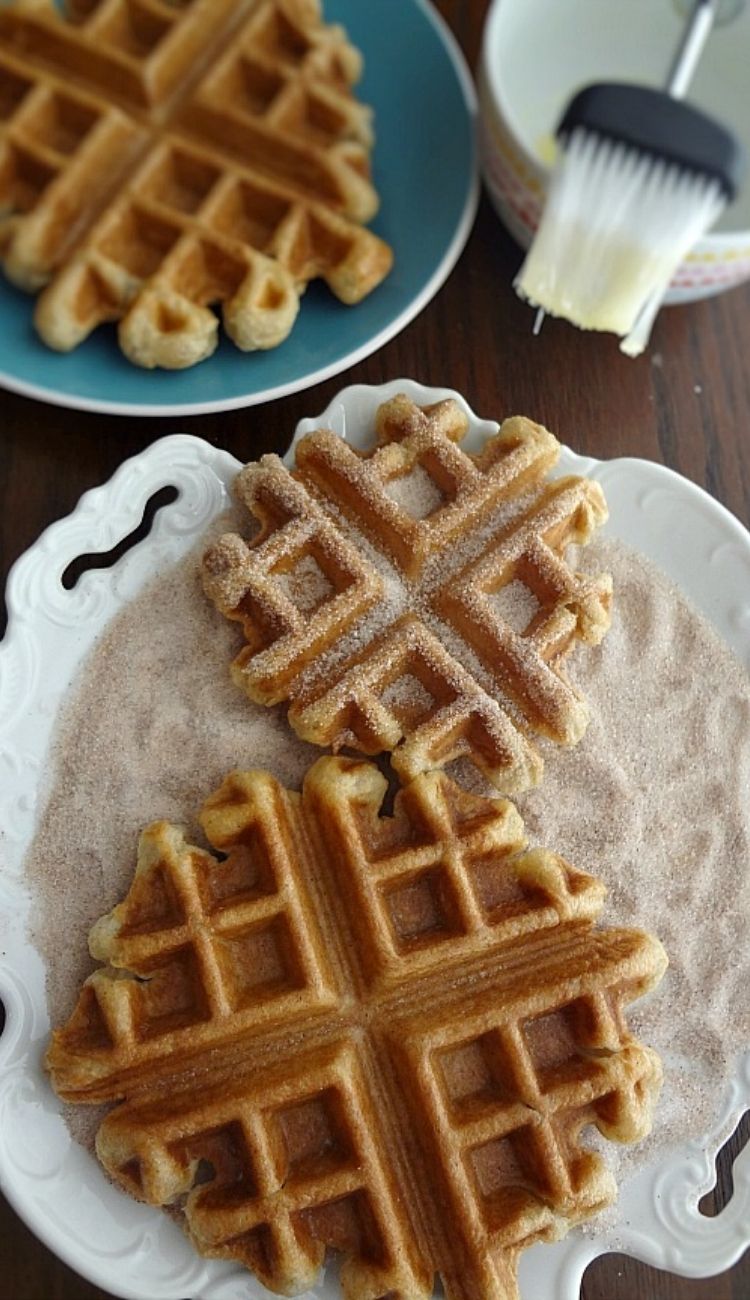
(616, 225)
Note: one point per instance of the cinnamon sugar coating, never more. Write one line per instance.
(407, 648)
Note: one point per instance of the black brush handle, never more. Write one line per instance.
(651, 121)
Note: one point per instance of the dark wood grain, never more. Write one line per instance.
(686, 403)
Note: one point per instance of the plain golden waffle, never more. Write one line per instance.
(352, 1030)
(159, 158)
(415, 598)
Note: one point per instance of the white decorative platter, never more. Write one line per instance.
(57, 1187)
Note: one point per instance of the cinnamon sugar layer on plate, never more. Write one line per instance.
(655, 800)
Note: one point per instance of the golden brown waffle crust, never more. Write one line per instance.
(351, 1028)
(402, 645)
(163, 158)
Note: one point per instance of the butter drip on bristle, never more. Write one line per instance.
(617, 224)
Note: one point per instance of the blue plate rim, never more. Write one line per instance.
(55, 397)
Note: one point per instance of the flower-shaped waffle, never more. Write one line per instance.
(352, 1028)
(161, 156)
(415, 598)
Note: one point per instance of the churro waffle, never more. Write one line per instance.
(353, 1030)
(415, 598)
(160, 158)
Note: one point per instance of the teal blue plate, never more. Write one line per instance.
(426, 173)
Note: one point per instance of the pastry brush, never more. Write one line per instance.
(640, 178)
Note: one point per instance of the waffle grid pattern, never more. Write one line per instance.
(210, 947)
(280, 634)
(236, 184)
(508, 1123)
(507, 1034)
(445, 879)
(477, 687)
(297, 1169)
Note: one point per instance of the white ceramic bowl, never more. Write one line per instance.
(537, 53)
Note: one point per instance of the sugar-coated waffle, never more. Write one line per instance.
(372, 596)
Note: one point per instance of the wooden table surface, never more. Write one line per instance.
(686, 403)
